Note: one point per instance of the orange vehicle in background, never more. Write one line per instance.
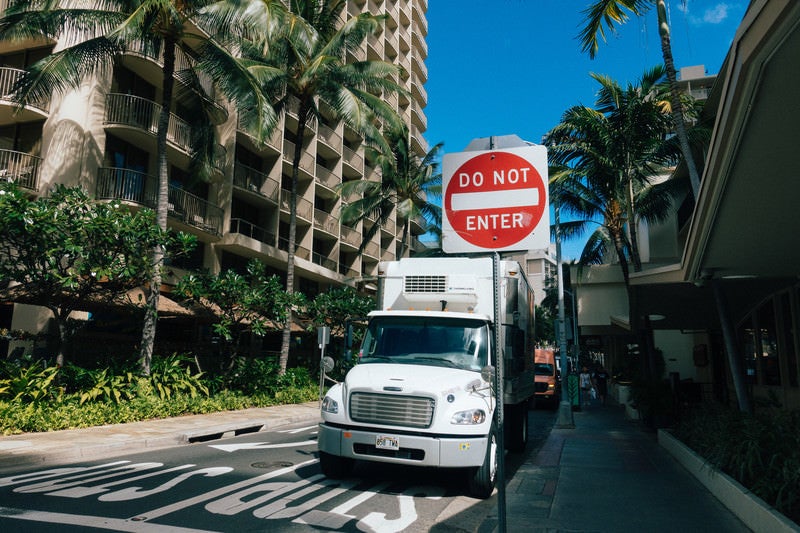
(546, 376)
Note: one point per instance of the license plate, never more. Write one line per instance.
(387, 442)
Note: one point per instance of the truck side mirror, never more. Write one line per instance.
(487, 374)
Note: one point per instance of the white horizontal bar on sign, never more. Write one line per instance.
(494, 199)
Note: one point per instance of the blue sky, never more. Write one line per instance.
(514, 66)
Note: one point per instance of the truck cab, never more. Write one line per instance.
(422, 390)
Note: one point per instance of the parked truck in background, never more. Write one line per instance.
(422, 391)
(548, 386)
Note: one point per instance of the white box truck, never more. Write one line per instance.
(422, 391)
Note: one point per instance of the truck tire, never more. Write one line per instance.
(482, 479)
(516, 433)
(335, 467)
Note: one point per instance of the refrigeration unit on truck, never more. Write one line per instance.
(422, 391)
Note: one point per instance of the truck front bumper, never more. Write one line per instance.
(427, 450)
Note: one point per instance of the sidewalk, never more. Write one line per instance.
(54, 447)
(608, 475)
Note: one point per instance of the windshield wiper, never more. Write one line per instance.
(448, 362)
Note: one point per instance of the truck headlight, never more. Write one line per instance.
(329, 405)
(473, 416)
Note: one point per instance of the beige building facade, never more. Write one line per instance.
(102, 137)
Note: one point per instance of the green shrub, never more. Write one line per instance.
(33, 382)
(173, 374)
(761, 451)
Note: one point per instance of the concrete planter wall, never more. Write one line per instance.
(751, 510)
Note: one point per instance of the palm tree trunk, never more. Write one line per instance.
(675, 99)
(162, 202)
(302, 117)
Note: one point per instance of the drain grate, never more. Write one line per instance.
(273, 464)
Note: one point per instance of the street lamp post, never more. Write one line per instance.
(574, 322)
(565, 419)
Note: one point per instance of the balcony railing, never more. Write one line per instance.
(348, 272)
(299, 251)
(138, 112)
(327, 177)
(253, 180)
(21, 168)
(182, 62)
(330, 137)
(8, 77)
(352, 158)
(326, 222)
(323, 261)
(305, 208)
(248, 229)
(372, 250)
(351, 236)
(140, 188)
(307, 162)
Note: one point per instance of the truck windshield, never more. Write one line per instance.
(450, 342)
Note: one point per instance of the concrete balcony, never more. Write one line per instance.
(350, 238)
(37, 109)
(305, 209)
(307, 163)
(248, 229)
(324, 261)
(138, 188)
(326, 222)
(353, 160)
(257, 182)
(20, 168)
(299, 251)
(327, 178)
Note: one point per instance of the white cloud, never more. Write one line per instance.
(716, 14)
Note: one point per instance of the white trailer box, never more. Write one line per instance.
(421, 393)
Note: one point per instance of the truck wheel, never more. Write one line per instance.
(335, 467)
(517, 427)
(483, 478)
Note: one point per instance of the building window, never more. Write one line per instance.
(789, 346)
(768, 345)
(747, 340)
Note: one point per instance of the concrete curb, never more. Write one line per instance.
(754, 512)
(101, 442)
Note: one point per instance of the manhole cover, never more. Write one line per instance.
(273, 464)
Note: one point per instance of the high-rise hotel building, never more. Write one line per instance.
(102, 137)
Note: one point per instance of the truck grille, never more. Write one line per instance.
(406, 411)
(425, 284)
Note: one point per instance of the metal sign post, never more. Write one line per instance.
(323, 338)
(499, 392)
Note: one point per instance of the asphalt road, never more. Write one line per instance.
(257, 482)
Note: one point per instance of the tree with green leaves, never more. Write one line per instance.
(242, 303)
(100, 32)
(307, 61)
(410, 184)
(604, 162)
(66, 252)
(602, 14)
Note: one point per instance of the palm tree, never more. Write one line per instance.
(97, 36)
(604, 160)
(306, 61)
(408, 183)
(608, 12)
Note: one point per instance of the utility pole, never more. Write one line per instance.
(565, 420)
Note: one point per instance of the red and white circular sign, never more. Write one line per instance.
(495, 200)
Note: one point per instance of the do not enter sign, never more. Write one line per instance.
(495, 200)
